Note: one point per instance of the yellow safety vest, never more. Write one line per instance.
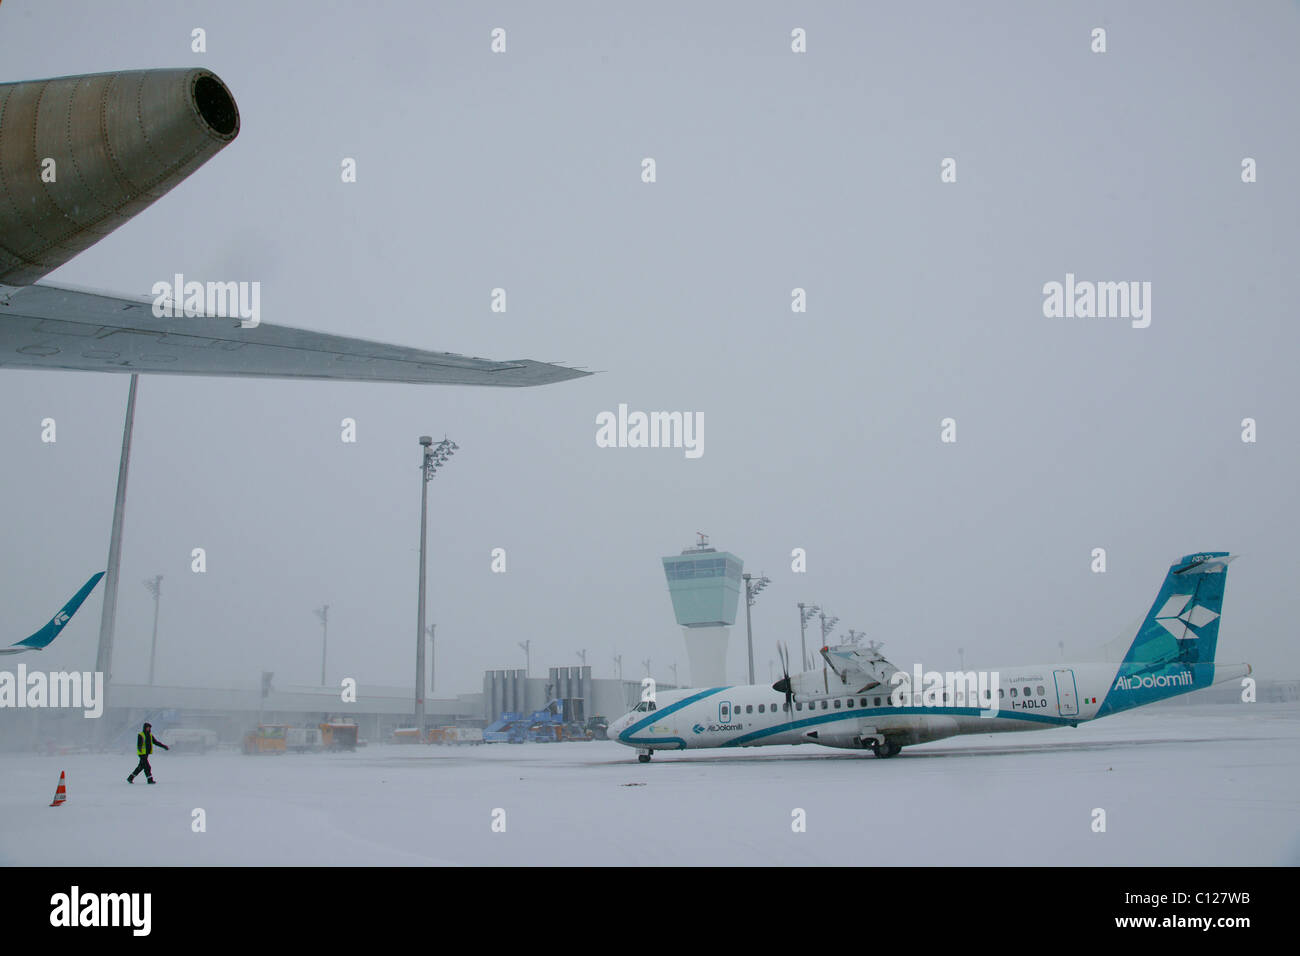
(142, 747)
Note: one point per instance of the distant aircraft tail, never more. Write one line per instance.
(51, 630)
(1173, 652)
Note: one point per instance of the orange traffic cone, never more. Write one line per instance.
(61, 794)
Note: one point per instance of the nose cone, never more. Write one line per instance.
(616, 728)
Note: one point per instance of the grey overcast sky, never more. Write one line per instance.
(775, 170)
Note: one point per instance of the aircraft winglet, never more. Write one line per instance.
(51, 630)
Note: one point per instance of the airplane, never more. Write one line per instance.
(42, 638)
(80, 156)
(858, 700)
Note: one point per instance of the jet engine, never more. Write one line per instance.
(80, 155)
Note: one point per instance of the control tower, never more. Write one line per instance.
(705, 585)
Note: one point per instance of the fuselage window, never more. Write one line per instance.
(864, 702)
(851, 701)
(749, 708)
(837, 703)
(826, 705)
(760, 708)
(798, 705)
(1001, 693)
(1040, 689)
(1013, 692)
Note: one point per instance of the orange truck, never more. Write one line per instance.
(338, 736)
(266, 739)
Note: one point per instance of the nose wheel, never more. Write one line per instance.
(644, 756)
(887, 749)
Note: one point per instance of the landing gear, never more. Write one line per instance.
(887, 749)
(644, 756)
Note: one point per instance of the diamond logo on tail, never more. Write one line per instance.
(1175, 617)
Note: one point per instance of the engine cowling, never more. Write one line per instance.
(80, 155)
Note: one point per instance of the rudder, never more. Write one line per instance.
(1174, 649)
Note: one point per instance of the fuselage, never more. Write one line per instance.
(859, 700)
(1014, 699)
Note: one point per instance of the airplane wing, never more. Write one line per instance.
(55, 327)
(849, 670)
(51, 630)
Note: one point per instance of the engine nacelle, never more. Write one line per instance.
(80, 155)
(845, 741)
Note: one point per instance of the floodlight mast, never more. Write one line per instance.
(154, 585)
(433, 458)
(806, 613)
(753, 586)
(323, 612)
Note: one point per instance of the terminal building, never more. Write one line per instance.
(704, 584)
(513, 691)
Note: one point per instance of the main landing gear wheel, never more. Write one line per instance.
(887, 749)
(644, 758)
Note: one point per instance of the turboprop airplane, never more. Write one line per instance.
(80, 156)
(42, 638)
(858, 700)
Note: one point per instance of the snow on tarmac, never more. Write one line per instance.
(1197, 785)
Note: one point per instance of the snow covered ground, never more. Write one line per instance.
(1196, 785)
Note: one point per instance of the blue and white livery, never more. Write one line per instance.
(858, 700)
(50, 631)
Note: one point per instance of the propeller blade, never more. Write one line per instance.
(784, 686)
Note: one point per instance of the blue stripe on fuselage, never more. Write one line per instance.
(832, 716)
(626, 736)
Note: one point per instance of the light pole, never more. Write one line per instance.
(673, 667)
(855, 637)
(806, 613)
(828, 624)
(108, 615)
(527, 646)
(752, 589)
(433, 660)
(154, 585)
(618, 662)
(435, 456)
(323, 612)
(646, 664)
(582, 656)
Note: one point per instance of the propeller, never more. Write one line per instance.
(783, 686)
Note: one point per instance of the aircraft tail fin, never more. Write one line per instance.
(1174, 648)
(51, 630)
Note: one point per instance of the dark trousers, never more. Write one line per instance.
(143, 765)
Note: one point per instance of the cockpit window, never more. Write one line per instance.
(645, 705)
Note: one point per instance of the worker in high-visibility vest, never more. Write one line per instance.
(144, 744)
